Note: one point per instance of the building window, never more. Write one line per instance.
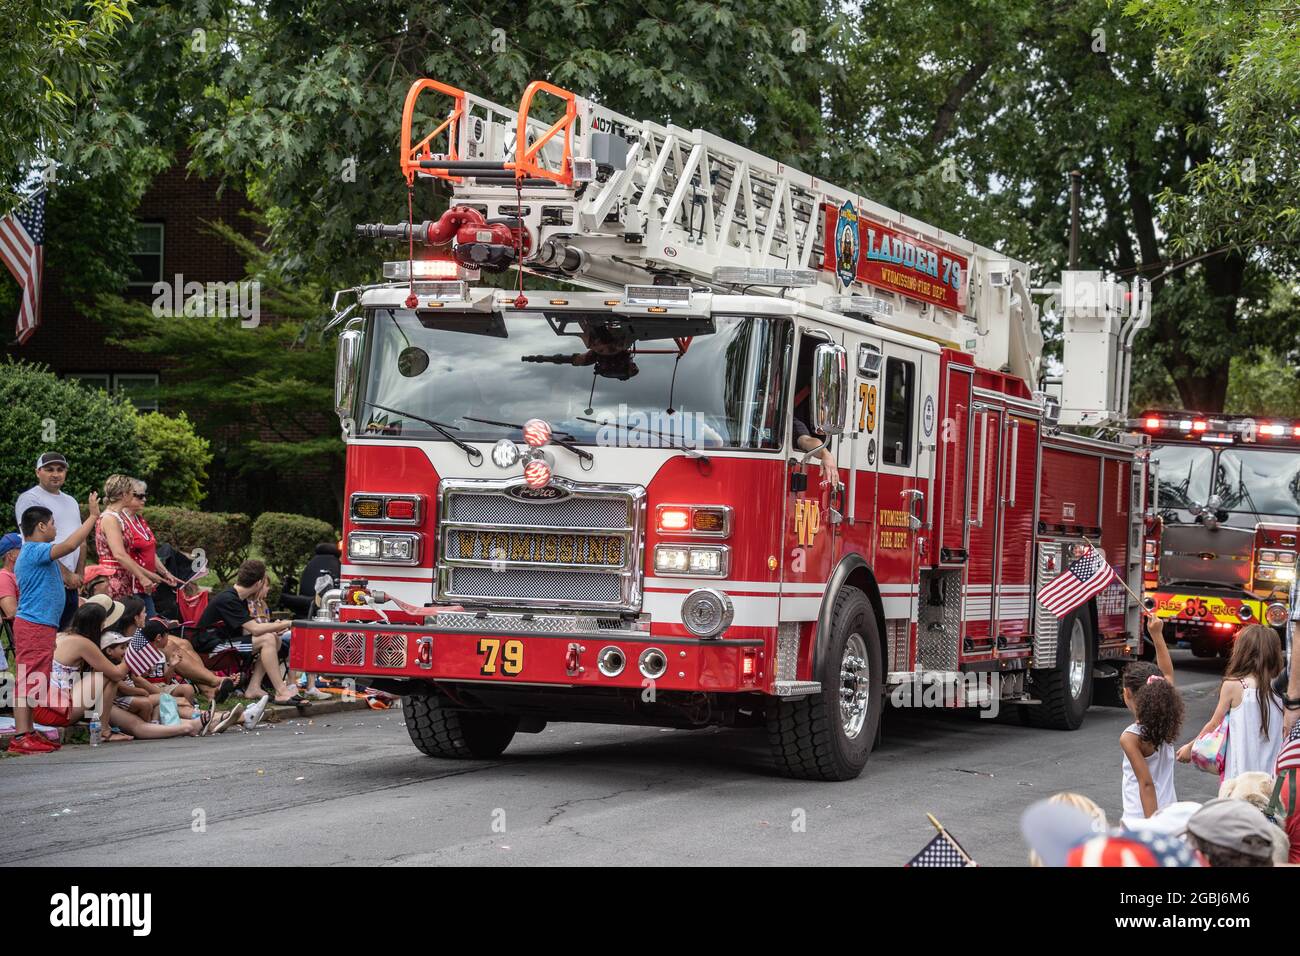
(147, 254)
(900, 378)
(100, 380)
(140, 388)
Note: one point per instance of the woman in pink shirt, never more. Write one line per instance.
(126, 545)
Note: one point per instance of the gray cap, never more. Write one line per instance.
(1233, 825)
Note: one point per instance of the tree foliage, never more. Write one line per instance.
(173, 459)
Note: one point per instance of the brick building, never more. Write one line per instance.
(172, 238)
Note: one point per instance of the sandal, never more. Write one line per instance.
(224, 690)
(115, 736)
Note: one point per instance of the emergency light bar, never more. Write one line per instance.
(424, 269)
(1215, 430)
(443, 291)
(858, 305)
(781, 278)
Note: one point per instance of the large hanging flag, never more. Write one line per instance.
(1085, 577)
(22, 246)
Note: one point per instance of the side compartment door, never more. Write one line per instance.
(982, 517)
(1011, 598)
(952, 487)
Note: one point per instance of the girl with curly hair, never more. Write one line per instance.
(1148, 742)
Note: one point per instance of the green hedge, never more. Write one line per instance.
(41, 412)
(174, 459)
(223, 538)
(286, 542)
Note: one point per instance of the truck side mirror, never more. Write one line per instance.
(829, 388)
(345, 372)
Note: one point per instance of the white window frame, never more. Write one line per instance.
(162, 248)
(149, 378)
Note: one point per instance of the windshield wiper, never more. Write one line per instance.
(470, 451)
(565, 443)
(663, 442)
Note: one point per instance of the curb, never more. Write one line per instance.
(315, 708)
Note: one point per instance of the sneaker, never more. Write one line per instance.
(223, 721)
(317, 694)
(30, 744)
(254, 713)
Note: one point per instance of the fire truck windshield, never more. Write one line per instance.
(1252, 483)
(712, 382)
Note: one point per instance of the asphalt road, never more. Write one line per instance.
(350, 789)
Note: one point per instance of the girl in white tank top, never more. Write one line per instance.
(1148, 767)
(1247, 700)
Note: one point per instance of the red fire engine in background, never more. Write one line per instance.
(769, 452)
(1224, 515)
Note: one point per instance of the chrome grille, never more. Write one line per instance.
(501, 510)
(349, 648)
(529, 586)
(1045, 623)
(582, 550)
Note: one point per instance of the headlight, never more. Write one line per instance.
(706, 561)
(383, 548)
(1268, 557)
(1286, 557)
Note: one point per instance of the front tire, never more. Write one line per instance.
(440, 731)
(1065, 690)
(829, 735)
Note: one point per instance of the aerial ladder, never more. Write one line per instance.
(604, 201)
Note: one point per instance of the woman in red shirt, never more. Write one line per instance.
(128, 551)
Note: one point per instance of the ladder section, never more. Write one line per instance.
(607, 200)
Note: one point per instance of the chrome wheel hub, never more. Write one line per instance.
(1078, 659)
(855, 686)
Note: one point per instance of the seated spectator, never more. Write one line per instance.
(190, 665)
(152, 669)
(1232, 833)
(82, 678)
(228, 624)
(95, 582)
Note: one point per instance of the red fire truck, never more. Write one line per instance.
(1224, 515)
(764, 452)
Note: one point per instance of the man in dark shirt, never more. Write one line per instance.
(228, 622)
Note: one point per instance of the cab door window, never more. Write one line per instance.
(900, 395)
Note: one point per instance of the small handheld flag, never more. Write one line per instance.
(1086, 577)
(943, 850)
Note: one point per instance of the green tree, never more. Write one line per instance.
(173, 459)
(41, 412)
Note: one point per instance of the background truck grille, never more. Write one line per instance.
(581, 551)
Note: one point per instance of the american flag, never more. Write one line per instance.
(943, 850)
(22, 246)
(1088, 576)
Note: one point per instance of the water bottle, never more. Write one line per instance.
(94, 729)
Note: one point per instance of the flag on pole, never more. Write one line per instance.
(22, 246)
(1086, 577)
(943, 850)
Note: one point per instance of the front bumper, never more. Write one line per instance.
(524, 657)
(1193, 609)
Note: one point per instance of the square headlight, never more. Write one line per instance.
(672, 560)
(363, 547)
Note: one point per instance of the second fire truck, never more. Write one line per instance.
(763, 452)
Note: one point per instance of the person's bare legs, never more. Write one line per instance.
(144, 730)
(266, 648)
(191, 666)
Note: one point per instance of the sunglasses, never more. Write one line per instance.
(139, 497)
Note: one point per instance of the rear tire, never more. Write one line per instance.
(830, 734)
(439, 731)
(1065, 691)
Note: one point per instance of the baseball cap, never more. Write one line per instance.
(51, 458)
(114, 608)
(1133, 848)
(1052, 829)
(10, 541)
(1233, 825)
(110, 638)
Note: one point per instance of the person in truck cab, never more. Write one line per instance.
(805, 439)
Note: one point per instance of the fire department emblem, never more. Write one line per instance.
(847, 244)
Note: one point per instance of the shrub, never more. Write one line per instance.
(287, 541)
(41, 412)
(223, 538)
(173, 459)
